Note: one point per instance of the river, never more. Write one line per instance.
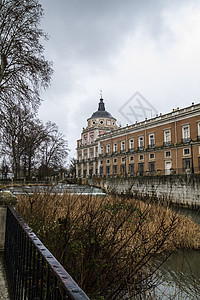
(180, 273)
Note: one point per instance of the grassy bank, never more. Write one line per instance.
(107, 244)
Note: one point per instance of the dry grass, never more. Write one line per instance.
(107, 244)
(186, 234)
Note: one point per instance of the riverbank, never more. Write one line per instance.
(179, 190)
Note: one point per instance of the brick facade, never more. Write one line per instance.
(166, 144)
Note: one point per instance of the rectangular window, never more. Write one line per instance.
(186, 134)
(141, 143)
(167, 137)
(151, 140)
(101, 150)
(186, 151)
(168, 165)
(198, 124)
(108, 149)
(131, 158)
(186, 164)
(123, 159)
(151, 156)
(108, 161)
(101, 162)
(108, 122)
(141, 157)
(115, 160)
(114, 170)
(131, 168)
(141, 169)
(101, 170)
(122, 145)
(152, 168)
(107, 170)
(91, 139)
(115, 148)
(131, 144)
(122, 169)
(168, 154)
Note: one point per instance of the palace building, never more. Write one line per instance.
(167, 144)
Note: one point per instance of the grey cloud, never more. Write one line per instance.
(96, 29)
(90, 32)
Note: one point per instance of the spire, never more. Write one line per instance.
(101, 112)
(101, 105)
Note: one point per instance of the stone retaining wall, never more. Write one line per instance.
(178, 189)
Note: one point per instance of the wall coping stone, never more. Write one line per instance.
(7, 198)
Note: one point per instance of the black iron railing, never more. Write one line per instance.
(32, 271)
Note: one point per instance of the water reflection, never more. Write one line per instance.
(193, 214)
(181, 272)
(181, 276)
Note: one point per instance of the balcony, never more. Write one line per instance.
(123, 151)
(114, 152)
(167, 144)
(186, 140)
(131, 149)
(151, 146)
(140, 148)
(101, 155)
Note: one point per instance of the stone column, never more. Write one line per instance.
(6, 198)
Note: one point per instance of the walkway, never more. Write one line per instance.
(3, 285)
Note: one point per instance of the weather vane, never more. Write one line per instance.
(101, 94)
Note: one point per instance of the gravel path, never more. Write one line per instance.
(3, 285)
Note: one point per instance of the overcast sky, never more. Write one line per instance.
(122, 47)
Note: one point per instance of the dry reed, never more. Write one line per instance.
(107, 244)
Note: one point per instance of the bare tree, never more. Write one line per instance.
(72, 167)
(54, 150)
(23, 72)
(34, 135)
(15, 122)
(23, 68)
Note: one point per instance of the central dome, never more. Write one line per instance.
(101, 112)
